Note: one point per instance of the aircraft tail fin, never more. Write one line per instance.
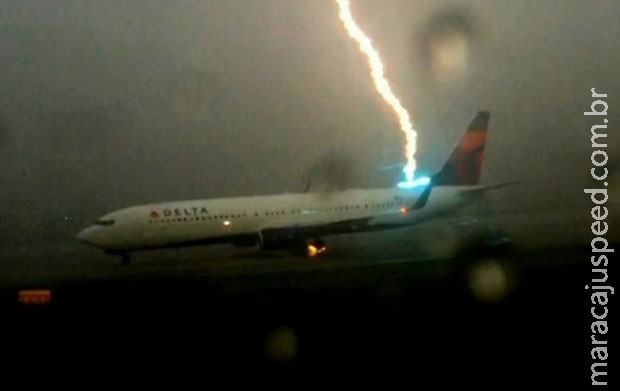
(464, 165)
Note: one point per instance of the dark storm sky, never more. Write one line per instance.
(104, 104)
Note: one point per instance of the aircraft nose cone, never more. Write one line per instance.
(84, 235)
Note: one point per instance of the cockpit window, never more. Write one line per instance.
(104, 222)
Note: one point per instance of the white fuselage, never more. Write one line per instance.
(226, 219)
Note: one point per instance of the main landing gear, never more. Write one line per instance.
(316, 247)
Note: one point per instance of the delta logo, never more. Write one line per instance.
(179, 212)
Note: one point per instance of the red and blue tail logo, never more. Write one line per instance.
(464, 166)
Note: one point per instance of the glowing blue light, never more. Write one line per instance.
(422, 181)
(409, 172)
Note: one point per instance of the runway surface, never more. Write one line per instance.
(65, 261)
(398, 302)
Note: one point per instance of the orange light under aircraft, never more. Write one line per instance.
(404, 210)
(313, 250)
(40, 296)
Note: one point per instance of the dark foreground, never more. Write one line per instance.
(340, 315)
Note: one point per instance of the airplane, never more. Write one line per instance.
(297, 221)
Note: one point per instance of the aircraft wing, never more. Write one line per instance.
(320, 229)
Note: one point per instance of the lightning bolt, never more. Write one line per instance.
(382, 85)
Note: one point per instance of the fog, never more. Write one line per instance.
(108, 104)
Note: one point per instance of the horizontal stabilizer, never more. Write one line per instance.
(483, 189)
